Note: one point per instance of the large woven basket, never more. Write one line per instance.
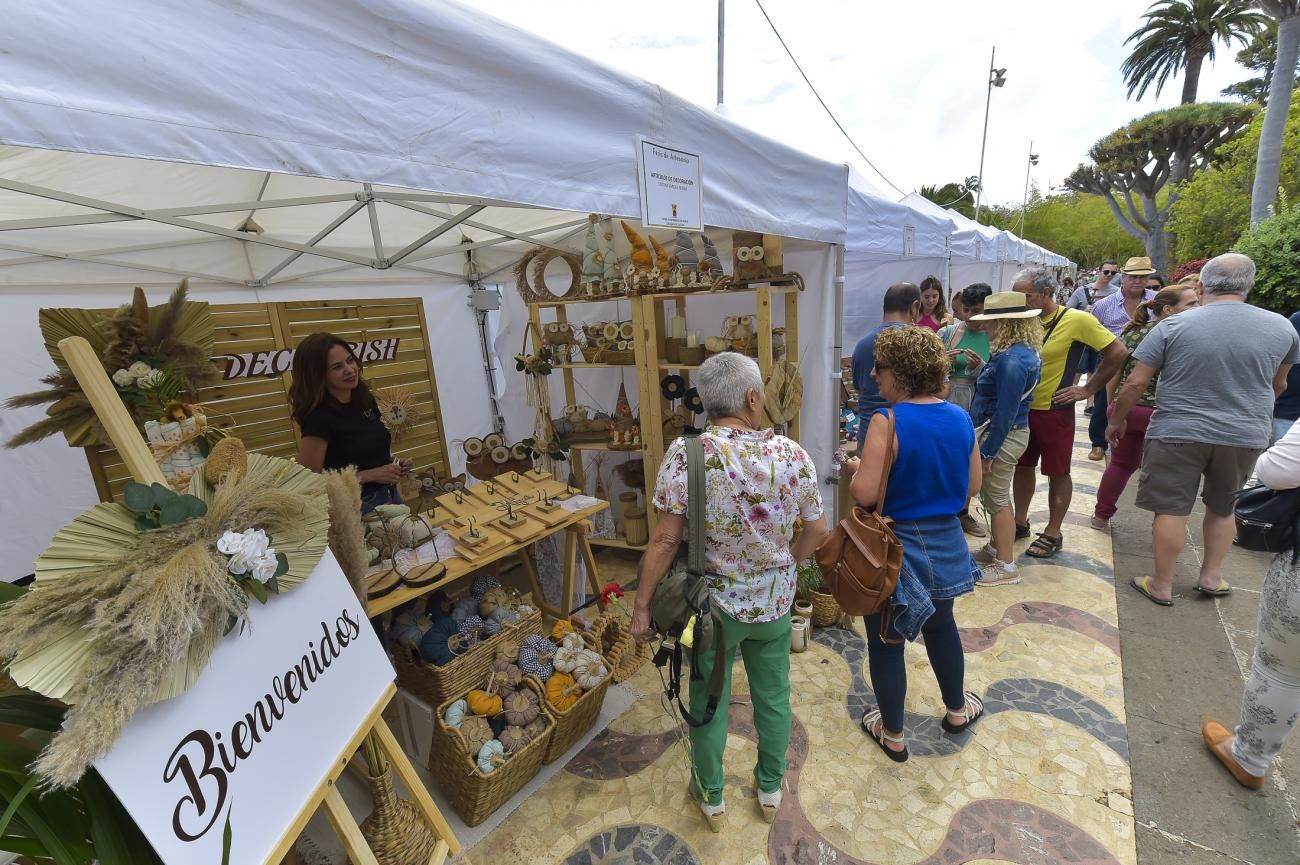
(626, 655)
(826, 610)
(395, 830)
(436, 685)
(572, 724)
(592, 354)
(473, 794)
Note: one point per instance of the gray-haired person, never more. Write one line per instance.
(1221, 367)
(756, 484)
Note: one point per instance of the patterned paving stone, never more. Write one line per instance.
(635, 844)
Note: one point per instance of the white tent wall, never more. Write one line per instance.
(50, 482)
(865, 280)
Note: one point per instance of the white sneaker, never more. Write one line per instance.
(769, 804)
(986, 555)
(998, 573)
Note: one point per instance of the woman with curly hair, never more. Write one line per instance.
(1002, 394)
(934, 467)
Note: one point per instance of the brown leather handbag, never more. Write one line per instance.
(861, 557)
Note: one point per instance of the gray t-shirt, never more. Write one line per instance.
(1079, 300)
(1216, 368)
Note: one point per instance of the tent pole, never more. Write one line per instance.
(837, 377)
(722, 40)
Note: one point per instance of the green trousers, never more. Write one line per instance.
(766, 650)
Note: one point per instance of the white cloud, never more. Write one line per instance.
(907, 80)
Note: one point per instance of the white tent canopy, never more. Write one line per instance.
(293, 151)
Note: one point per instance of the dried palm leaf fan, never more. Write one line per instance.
(784, 391)
(397, 410)
(175, 338)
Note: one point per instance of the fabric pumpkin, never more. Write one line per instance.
(497, 725)
(493, 599)
(505, 680)
(537, 727)
(566, 659)
(560, 628)
(476, 732)
(480, 587)
(573, 640)
(406, 631)
(562, 691)
(490, 756)
(514, 738)
(589, 671)
(520, 707)
(508, 652)
(489, 628)
(504, 616)
(535, 660)
(471, 630)
(483, 703)
(456, 713)
(437, 646)
(464, 608)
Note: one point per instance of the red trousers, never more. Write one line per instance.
(1125, 458)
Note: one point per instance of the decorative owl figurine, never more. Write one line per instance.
(738, 328)
(747, 256)
(561, 336)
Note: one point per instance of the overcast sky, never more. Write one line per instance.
(908, 80)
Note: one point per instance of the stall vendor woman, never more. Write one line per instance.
(340, 421)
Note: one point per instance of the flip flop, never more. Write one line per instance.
(1222, 590)
(1142, 586)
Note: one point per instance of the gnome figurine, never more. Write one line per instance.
(712, 265)
(593, 260)
(640, 254)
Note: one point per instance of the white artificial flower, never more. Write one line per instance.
(265, 567)
(150, 378)
(139, 368)
(237, 566)
(123, 378)
(228, 543)
(253, 546)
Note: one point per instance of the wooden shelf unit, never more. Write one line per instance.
(650, 322)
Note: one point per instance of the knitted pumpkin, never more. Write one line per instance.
(483, 703)
(493, 599)
(505, 679)
(514, 738)
(441, 643)
(456, 713)
(560, 628)
(565, 659)
(480, 586)
(521, 707)
(491, 755)
(535, 659)
(476, 732)
(562, 691)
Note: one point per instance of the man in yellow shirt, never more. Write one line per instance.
(1066, 333)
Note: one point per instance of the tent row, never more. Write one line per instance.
(384, 148)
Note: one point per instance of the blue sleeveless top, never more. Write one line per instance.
(931, 473)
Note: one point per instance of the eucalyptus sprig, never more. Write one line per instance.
(156, 506)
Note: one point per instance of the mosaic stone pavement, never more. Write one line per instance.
(1043, 779)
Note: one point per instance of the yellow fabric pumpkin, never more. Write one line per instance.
(483, 703)
(562, 691)
(560, 628)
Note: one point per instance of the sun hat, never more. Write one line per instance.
(1138, 265)
(1005, 304)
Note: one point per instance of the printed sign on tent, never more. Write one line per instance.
(252, 740)
(671, 186)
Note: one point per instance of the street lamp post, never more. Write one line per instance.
(1024, 208)
(997, 78)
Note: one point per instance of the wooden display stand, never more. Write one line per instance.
(139, 462)
(649, 319)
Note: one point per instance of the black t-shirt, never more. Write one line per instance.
(355, 436)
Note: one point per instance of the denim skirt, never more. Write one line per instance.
(935, 551)
(374, 495)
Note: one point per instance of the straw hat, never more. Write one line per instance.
(1138, 265)
(1005, 304)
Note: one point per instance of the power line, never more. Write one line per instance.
(827, 108)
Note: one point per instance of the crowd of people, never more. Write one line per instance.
(960, 412)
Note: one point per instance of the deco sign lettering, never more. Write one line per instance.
(203, 762)
(280, 361)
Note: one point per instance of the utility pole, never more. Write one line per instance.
(1024, 208)
(997, 78)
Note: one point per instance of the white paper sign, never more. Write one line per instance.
(671, 187)
(258, 732)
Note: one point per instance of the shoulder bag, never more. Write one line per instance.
(683, 595)
(861, 557)
(1266, 518)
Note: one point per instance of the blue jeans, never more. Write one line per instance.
(889, 672)
(374, 495)
(1281, 426)
(1097, 422)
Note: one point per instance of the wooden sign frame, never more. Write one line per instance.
(259, 405)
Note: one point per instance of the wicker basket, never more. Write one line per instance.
(572, 723)
(591, 354)
(436, 685)
(473, 794)
(826, 611)
(626, 656)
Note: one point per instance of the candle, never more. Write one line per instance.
(692, 338)
(679, 327)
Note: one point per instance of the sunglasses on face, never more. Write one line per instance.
(1109, 272)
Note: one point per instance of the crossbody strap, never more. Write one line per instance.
(695, 505)
(889, 462)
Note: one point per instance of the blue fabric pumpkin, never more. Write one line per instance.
(455, 713)
(490, 756)
(464, 608)
(535, 654)
(504, 616)
(435, 646)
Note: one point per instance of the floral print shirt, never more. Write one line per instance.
(757, 484)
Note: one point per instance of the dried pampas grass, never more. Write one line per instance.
(119, 619)
(347, 536)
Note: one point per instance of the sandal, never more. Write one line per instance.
(1144, 586)
(873, 724)
(1022, 531)
(1045, 546)
(1220, 591)
(972, 711)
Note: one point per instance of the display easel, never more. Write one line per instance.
(139, 461)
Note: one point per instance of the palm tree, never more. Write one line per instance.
(1268, 164)
(1181, 34)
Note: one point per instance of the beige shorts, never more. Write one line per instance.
(995, 493)
(1172, 472)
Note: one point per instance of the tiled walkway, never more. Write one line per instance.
(1044, 779)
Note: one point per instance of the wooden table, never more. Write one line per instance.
(575, 527)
